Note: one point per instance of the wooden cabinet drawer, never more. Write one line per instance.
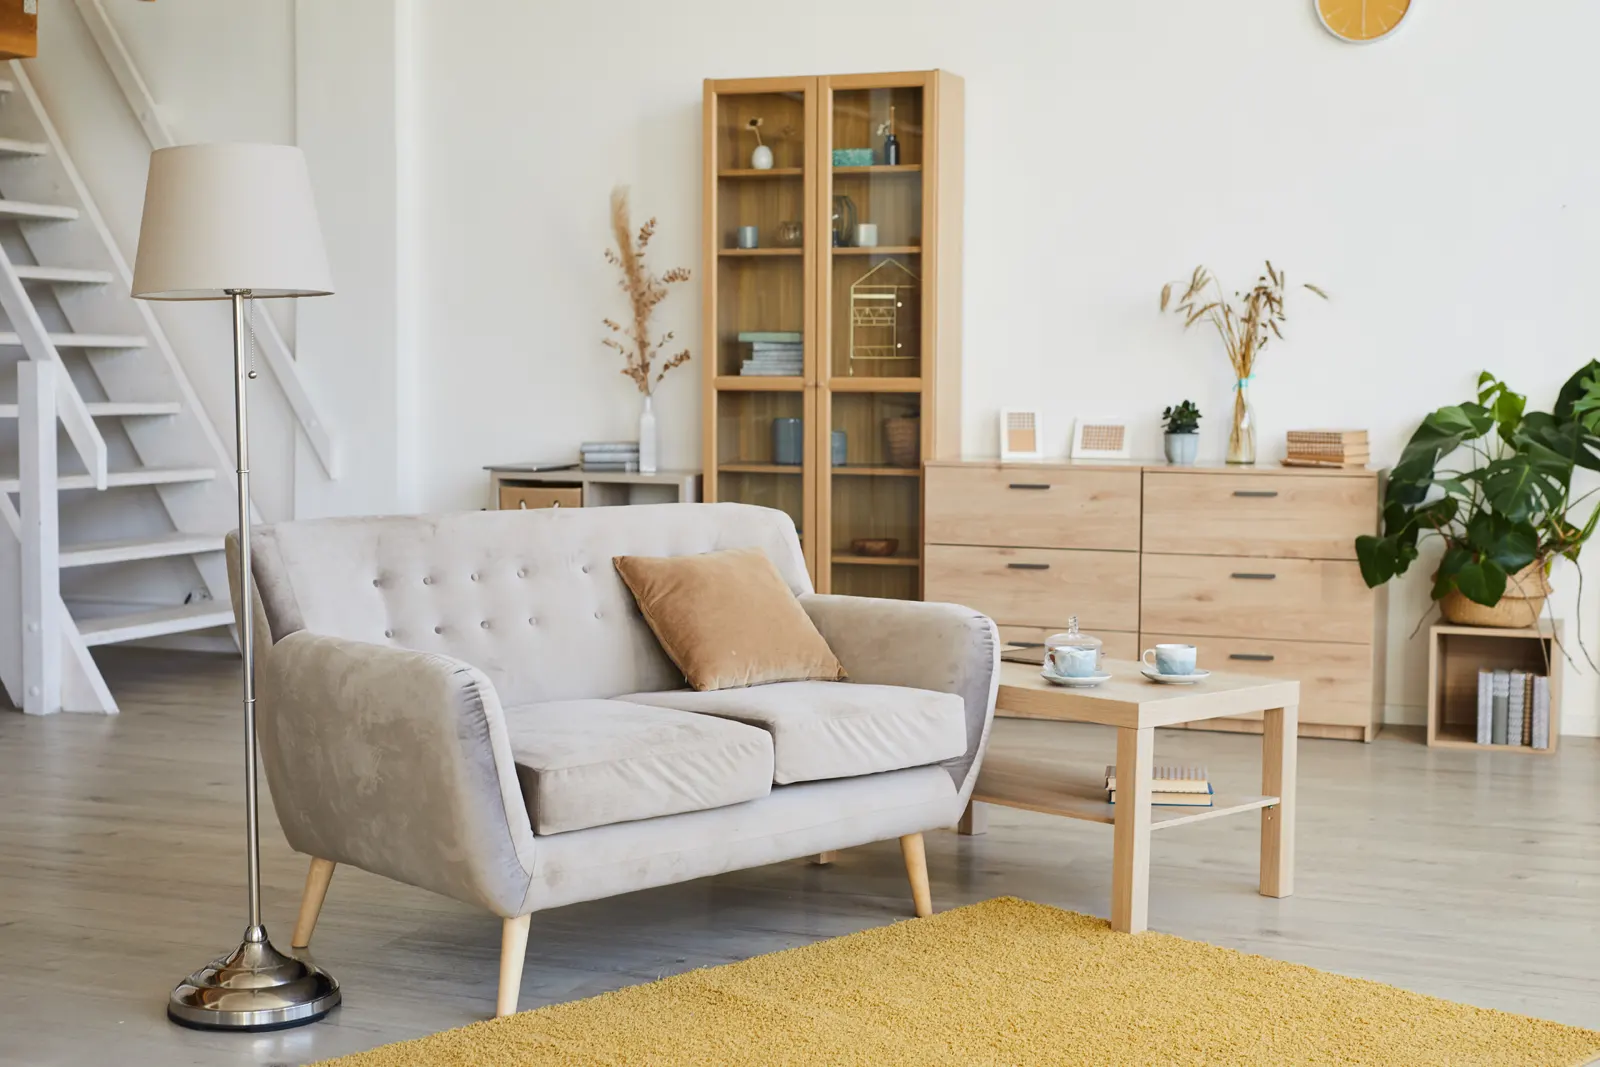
(1235, 596)
(1117, 644)
(513, 497)
(1304, 516)
(1037, 586)
(1335, 679)
(1043, 508)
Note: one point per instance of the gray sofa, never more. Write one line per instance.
(473, 704)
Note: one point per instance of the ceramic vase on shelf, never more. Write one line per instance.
(1242, 434)
(761, 158)
(647, 437)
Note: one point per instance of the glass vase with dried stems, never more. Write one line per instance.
(1246, 328)
(637, 342)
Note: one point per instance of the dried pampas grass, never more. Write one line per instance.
(645, 290)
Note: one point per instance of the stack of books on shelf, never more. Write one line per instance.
(610, 455)
(1171, 786)
(1513, 709)
(774, 353)
(1327, 448)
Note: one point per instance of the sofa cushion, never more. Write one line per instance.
(589, 763)
(836, 729)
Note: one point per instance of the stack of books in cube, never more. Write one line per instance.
(1327, 448)
(610, 455)
(774, 353)
(1513, 709)
(1171, 786)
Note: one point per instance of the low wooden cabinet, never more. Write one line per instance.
(1254, 565)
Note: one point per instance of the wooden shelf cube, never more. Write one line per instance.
(1455, 656)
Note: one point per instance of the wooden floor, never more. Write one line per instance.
(1468, 876)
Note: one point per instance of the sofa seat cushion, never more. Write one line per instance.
(835, 729)
(586, 763)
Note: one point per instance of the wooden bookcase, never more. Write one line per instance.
(1455, 656)
(880, 325)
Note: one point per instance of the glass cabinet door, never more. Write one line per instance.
(759, 269)
(871, 371)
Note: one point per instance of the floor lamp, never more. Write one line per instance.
(237, 222)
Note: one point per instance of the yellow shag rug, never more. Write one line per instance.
(1004, 982)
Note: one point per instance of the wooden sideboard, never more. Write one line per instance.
(1254, 565)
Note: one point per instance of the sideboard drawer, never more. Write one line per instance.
(518, 497)
(1301, 516)
(1116, 644)
(1037, 587)
(1335, 679)
(1044, 508)
(1236, 596)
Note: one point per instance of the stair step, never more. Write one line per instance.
(181, 619)
(10, 483)
(10, 146)
(91, 553)
(84, 340)
(112, 409)
(29, 272)
(21, 209)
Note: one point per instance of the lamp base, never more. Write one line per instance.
(254, 987)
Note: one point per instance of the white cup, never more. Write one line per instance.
(1171, 659)
(1067, 662)
(866, 235)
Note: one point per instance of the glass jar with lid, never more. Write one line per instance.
(1079, 653)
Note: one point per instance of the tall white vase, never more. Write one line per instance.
(647, 437)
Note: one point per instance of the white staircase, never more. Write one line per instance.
(143, 455)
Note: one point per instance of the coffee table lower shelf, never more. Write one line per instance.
(1034, 786)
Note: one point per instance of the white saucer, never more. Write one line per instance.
(1085, 682)
(1174, 679)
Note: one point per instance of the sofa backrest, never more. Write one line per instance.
(529, 597)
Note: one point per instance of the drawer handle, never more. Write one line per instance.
(1253, 657)
(1255, 492)
(1029, 485)
(1029, 566)
(1026, 644)
(1253, 577)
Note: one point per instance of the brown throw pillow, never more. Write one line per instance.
(728, 619)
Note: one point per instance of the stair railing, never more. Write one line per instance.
(37, 389)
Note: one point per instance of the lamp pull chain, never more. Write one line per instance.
(252, 372)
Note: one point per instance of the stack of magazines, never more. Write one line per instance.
(610, 455)
(1174, 786)
(1513, 709)
(773, 353)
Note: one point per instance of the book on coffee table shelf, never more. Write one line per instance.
(1171, 785)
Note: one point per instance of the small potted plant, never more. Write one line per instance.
(1182, 425)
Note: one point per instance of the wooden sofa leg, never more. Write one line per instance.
(513, 950)
(823, 859)
(916, 858)
(317, 879)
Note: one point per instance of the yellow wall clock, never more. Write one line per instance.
(1360, 21)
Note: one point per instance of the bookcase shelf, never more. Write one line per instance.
(1455, 656)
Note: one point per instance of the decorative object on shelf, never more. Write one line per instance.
(1327, 448)
(866, 235)
(844, 221)
(238, 222)
(1509, 515)
(790, 234)
(761, 155)
(748, 237)
(1358, 22)
(1101, 439)
(638, 344)
(891, 146)
(852, 157)
(1245, 332)
(1073, 647)
(1021, 435)
(773, 353)
(1182, 433)
(902, 437)
(883, 312)
(788, 442)
(839, 448)
(875, 546)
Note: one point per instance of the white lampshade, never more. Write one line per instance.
(229, 216)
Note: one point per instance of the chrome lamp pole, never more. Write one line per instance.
(216, 217)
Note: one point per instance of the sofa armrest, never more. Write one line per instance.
(942, 647)
(395, 761)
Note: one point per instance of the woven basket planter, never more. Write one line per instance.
(1518, 609)
(903, 438)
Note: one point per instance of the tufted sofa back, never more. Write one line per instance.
(528, 597)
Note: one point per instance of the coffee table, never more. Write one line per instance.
(1136, 706)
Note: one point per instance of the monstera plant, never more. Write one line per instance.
(1493, 481)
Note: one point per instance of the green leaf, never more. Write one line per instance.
(1444, 579)
(1484, 583)
(1497, 539)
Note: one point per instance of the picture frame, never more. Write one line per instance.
(1101, 439)
(1021, 435)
